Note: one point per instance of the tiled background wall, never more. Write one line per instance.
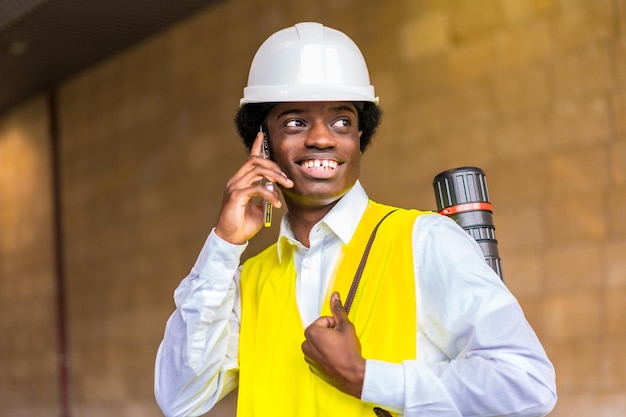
(532, 91)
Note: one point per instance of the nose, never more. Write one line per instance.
(320, 136)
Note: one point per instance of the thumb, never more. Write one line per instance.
(339, 312)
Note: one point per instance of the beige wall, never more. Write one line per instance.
(532, 91)
(28, 325)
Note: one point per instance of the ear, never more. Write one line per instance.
(360, 142)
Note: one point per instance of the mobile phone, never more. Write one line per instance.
(267, 206)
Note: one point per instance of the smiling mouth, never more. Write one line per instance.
(320, 164)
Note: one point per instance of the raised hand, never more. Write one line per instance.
(333, 350)
(241, 217)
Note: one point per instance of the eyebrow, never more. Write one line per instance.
(338, 108)
(345, 107)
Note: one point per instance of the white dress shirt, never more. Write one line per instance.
(476, 353)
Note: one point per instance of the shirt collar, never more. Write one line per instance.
(341, 220)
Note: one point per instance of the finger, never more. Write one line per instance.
(265, 169)
(248, 181)
(269, 193)
(315, 368)
(339, 312)
(324, 321)
(257, 145)
(260, 168)
(312, 364)
(313, 330)
(310, 350)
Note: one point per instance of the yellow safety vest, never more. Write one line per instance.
(274, 379)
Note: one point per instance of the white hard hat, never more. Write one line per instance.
(308, 62)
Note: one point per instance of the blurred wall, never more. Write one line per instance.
(532, 91)
(29, 374)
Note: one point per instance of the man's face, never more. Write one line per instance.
(317, 145)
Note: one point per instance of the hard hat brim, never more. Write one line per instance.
(276, 94)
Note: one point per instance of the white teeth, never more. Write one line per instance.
(323, 164)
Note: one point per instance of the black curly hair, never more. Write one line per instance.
(250, 116)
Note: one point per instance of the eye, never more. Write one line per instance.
(294, 123)
(345, 122)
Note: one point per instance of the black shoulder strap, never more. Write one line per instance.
(359, 270)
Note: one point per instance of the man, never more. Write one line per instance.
(431, 331)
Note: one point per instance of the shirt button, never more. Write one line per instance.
(307, 264)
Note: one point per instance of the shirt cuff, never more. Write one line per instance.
(383, 385)
(218, 259)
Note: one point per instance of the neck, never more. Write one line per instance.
(302, 219)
